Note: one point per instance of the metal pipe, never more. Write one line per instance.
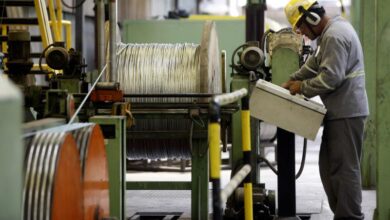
(80, 20)
(230, 97)
(59, 18)
(113, 22)
(286, 179)
(234, 182)
(254, 21)
(100, 18)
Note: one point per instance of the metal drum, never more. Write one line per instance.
(94, 167)
(66, 174)
(53, 185)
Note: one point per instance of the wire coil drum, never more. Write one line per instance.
(168, 69)
(52, 165)
(66, 174)
(94, 168)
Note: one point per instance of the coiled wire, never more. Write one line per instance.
(159, 69)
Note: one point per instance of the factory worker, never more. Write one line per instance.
(335, 72)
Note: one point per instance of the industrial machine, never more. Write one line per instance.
(121, 124)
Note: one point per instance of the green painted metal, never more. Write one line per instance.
(12, 150)
(71, 85)
(374, 29)
(231, 33)
(365, 12)
(383, 108)
(199, 170)
(284, 62)
(132, 185)
(116, 156)
(200, 179)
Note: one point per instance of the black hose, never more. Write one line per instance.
(303, 159)
(263, 159)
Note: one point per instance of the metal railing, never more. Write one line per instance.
(220, 196)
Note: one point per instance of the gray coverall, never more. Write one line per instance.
(336, 72)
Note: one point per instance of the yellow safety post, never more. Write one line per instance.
(215, 157)
(214, 131)
(4, 45)
(246, 148)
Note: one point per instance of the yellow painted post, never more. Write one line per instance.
(246, 129)
(215, 155)
(214, 130)
(246, 148)
(59, 19)
(43, 20)
(4, 46)
(68, 31)
(53, 19)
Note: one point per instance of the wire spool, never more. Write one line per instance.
(53, 187)
(171, 68)
(94, 167)
(168, 69)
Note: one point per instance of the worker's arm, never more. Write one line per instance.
(332, 66)
(307, 71)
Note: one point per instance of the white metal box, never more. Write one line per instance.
(294, 113)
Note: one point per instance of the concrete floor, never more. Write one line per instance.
(311, 197)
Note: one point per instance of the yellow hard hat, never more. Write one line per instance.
(292, 12)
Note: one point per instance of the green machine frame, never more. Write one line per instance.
(199, 168)
(114, 131)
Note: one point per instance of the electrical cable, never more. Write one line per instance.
(263, 159)
(87, 96)
(303, 159)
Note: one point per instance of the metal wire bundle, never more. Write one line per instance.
(66, 173)
(52, 165)
(159, 69)
(160, 148)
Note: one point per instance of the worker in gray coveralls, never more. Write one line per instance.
(335, 72)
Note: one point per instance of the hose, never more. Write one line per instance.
(263, 159)
(302, 160)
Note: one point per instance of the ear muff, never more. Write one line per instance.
(311, 17)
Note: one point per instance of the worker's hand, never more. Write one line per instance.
(287, 84)
(295, 87)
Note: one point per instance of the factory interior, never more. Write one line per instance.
(101, 120)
